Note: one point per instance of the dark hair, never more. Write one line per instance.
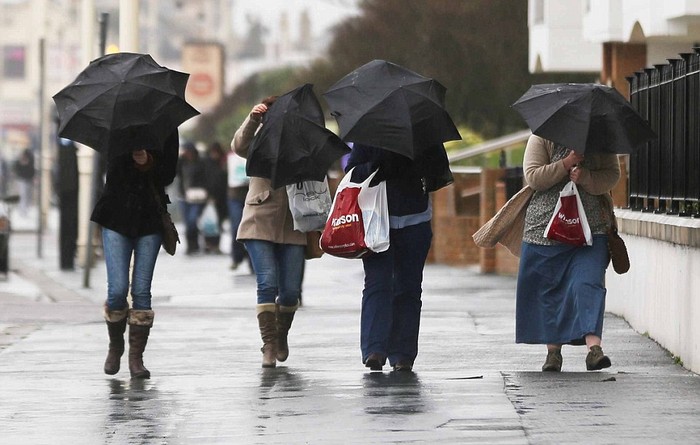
(269, 100)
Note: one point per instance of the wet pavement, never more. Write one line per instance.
(471, 383)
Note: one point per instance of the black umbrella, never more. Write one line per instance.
(584, 117)
(121, 102)
(293, 144)
(388, 106)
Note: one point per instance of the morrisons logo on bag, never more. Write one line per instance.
(345, 219)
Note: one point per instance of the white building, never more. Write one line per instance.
(613, 37)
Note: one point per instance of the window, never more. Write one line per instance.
(13, 62)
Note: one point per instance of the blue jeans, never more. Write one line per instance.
(191, 213)
(118, 250)
(278, 270)
(235, 213)
(391, 299)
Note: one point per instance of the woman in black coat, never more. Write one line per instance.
(129, 214)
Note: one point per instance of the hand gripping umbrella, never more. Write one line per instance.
(121, 102)
(584, 117)
(293, 144)
(388, 106)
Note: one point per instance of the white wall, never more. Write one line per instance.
(557, 43)
(660, 295)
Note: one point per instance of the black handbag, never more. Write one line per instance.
(170, 235)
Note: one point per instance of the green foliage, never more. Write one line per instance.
(477, 49)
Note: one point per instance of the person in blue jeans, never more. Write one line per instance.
(129, 215)
(391, 298)
(193, 191)
(276, 250)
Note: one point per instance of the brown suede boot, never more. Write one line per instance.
(285, 316)
(116, 325)
(140, 322)
(267, 321)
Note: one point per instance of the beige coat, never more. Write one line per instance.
(266, 214)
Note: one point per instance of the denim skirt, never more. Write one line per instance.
(561, 292)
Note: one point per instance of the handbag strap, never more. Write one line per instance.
(606, 202)
(161, 206)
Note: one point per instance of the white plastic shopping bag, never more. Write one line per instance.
(310, 202)
(209, 220)
(357, 225)
(568, 223)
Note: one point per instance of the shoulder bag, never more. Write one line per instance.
(170, 235)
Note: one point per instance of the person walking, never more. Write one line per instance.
(193, 194)
(391, 298)
(24, 171)
(275, 248)
(67, 188)
(217, 178)
(129, 214)
(237, 191)
(561, 291)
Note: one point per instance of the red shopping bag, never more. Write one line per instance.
(344, 233)
(569, 223)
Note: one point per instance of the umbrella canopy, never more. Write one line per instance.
(385, 105)
(584, 117)
(293, 144)
(121, 102)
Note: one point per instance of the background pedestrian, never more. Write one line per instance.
(193, 194)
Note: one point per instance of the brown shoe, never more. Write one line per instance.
(375, 361)
(553, 361)
(596, 360)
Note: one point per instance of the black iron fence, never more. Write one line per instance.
(664, 175)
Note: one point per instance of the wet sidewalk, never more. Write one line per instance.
(471, 383)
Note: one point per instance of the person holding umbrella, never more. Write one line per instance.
(129, 215)
(397, 122)
(284, 141)
(578, 130)
(276, 250)
(560, 295)
(128, 107)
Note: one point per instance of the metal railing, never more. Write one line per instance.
(665, 173)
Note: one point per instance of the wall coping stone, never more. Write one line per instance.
(674, 229)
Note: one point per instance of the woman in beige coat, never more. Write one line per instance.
(276, 250)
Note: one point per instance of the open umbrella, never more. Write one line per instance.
(585, 117)
(293, 144)
(123, 101)
(388, 106)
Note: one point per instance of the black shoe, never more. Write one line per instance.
(375, 361)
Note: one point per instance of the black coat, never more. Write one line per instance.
(128, 205)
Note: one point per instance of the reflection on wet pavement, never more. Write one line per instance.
(392, 393)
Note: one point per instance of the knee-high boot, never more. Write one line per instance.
(285, 316)
(268, 331)
(116, 325)
(140, 322)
